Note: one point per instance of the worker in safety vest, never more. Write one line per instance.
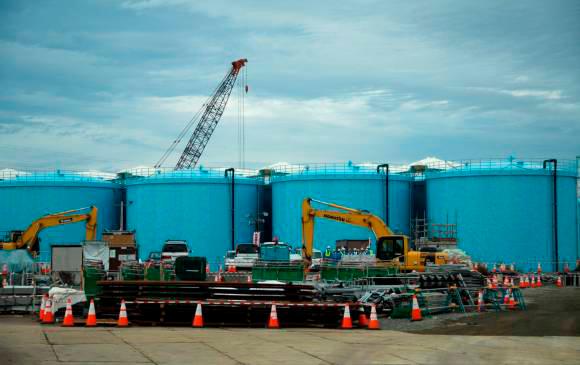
(327, 252)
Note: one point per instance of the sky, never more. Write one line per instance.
(108, 85)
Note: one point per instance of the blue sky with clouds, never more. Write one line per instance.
(109, 84)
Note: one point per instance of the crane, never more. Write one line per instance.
(211, 113)
(390, 246)
(28, 239)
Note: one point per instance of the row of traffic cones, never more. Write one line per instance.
(363, 321)
(46, 314)
(219, 277)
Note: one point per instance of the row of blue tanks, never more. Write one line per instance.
(503, 209)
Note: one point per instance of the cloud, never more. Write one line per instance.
(370, 81)
(523, 93)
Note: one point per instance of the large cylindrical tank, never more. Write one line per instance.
(504, 210)
(26, 196)
(354, 186)
(192, 205)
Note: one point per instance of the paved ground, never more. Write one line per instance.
(548, 333)
(26, 342)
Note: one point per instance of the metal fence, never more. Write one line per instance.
(171, 173)
(31, 176)
(509, 164)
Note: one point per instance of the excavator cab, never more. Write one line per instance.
(391, 247)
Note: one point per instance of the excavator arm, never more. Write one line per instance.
(29, 238)
(342, 214)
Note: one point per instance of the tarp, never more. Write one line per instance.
(96, 251)
(60, 295)
(17, 260)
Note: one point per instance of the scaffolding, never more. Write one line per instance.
(434, 234)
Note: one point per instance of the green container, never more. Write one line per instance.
(278, 272)
(337, 273)
(280, 252)
(350, 273)
(152, 273)
(90, 277)
(132, 272)
(190, 268)
(382, 272)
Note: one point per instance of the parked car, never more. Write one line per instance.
(246, 255)
(173, 249)
(154, 256)
(316, 260)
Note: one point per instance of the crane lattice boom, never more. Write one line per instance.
(210, 119)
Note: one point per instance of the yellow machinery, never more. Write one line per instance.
(29, 238)
(391, 248)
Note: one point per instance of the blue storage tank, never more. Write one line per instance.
(191, 205)
(504, 209)
(26, 196)
(350, 185)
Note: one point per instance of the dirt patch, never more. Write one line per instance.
(551, 312)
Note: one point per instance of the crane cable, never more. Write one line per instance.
(241, 117)
(187, 127)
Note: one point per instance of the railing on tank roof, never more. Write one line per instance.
(509, 164)
(12, 175)
(344, 168)
(171, 173)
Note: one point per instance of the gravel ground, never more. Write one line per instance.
(551, 312)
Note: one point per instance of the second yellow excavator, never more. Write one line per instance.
(391, 248)
(28, 239)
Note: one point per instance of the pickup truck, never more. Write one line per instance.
(245, 257)
(172, 249)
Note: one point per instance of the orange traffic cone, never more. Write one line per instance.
(123, 320)
(232, 268)
(92, 317)
(374, 321)
(526, 281)
(273, 321)
(539, 282)
(346, 320)
(539, 268)
(506, 297)
(480, 302)
(363, 321)
(207, 269)
(415, 311)
(566, 268)
(533, 284)
(559, 282)
(69, 320)
(512, 301)
(198, 318)
(48, 315)
(42, 306)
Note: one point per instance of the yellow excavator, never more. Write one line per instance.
(28, 239)
(392, 249)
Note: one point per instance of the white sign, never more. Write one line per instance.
(256, 238)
